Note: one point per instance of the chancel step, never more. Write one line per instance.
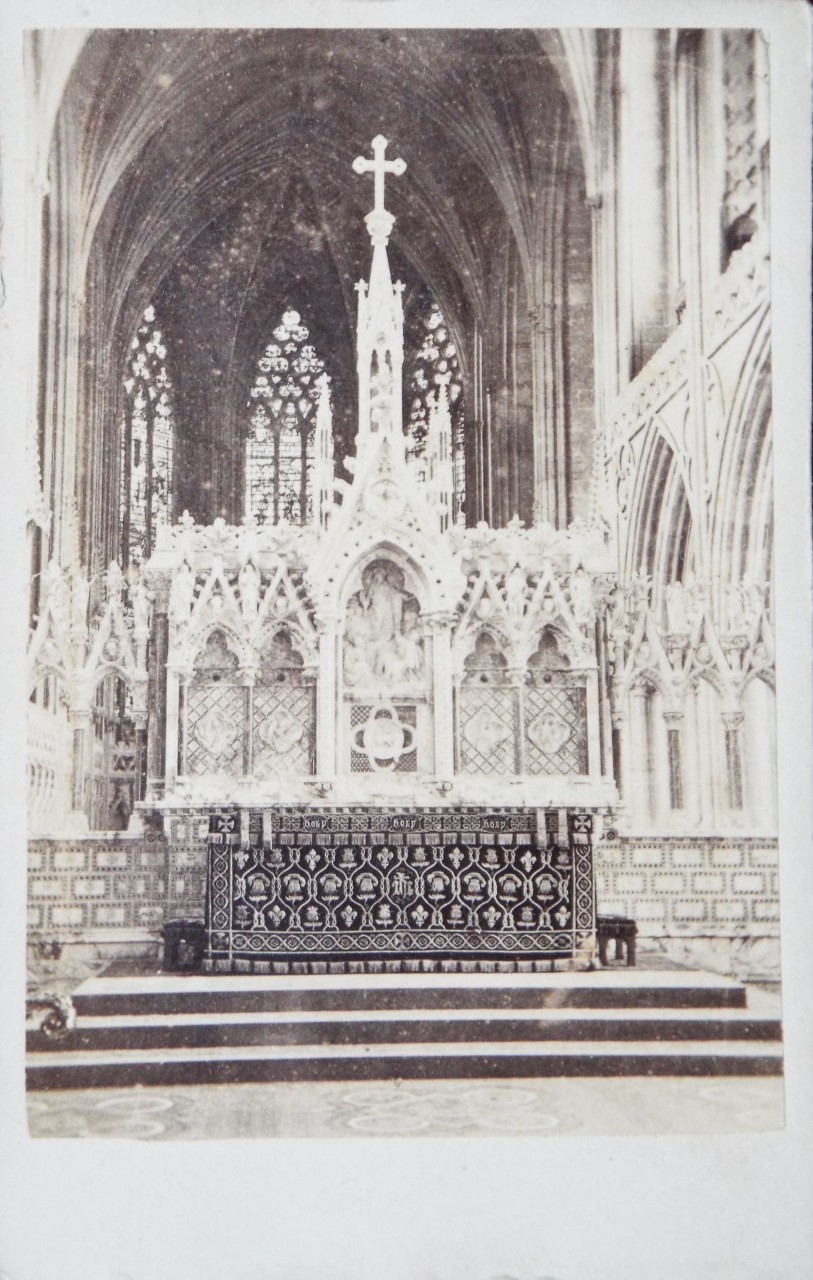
(174, 1030)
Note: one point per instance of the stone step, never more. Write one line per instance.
(173, 1029)
(230, 994)
(482, 1060)
(179, 1030)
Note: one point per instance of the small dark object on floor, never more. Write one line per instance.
(184, 944)
(621, 931)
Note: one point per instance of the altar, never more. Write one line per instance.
(363, 890)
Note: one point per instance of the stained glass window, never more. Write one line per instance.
(434, 362)
(146, 442)
(282, 417)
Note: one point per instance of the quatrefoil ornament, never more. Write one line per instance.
(383, 738)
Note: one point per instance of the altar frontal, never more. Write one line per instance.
(377, 886)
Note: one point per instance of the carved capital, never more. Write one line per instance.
(327, 622)
(441, 620)
(732, 719)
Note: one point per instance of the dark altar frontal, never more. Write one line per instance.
(358, 889)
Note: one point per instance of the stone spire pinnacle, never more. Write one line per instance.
(380, 317)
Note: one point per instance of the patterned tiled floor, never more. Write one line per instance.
(593, 1107)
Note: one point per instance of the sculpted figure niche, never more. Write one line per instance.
(381, 643)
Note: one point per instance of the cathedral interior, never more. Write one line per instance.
(400, 503)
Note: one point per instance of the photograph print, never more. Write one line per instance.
(401, 698)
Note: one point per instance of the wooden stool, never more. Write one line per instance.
(184, 945)
(622, 932)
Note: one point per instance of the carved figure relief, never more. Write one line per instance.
(182, 595)
(249, 582)
(382, 646)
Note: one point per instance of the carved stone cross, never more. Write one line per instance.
(379, 167)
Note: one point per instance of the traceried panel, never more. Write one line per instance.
(555, 728)
(282, 415)
(215, 712)
(283, 721)
(146, 442)
(215, 716)
(555, 713)
(434, 362)
(486, 713)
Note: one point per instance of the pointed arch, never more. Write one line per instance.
(147, 442)
(660, 543)
(742, 532)
(279, 439)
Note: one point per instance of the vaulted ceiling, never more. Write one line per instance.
(213, 178)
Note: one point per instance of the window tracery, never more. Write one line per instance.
(434, 363)
(146, 442)
(279, 445)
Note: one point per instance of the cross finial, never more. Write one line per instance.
(379, 167)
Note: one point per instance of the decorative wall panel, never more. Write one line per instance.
(486, 729)
(383, 737)
(283, 729)
(215, 721)
(679, 886)
(555, 729)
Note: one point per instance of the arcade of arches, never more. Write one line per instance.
(434, 489)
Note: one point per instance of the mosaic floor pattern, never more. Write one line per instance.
(432, 1109)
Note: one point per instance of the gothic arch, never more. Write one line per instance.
(409, 560)
(205, 633)
(468, 644)
(296, 637)
(743, 520)
(659, 536)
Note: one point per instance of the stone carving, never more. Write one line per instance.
(249, 583)
(515, 593)
(53, 590)
(181, 595)
(281, 731)
(744, 603)
(215, 732)
(114, 581)
(383, 738)
(549, 732)
(80, 593)
(581, 599)
(677, 618)
(142, 606)
(486, 731)
(381, 388)
(381, 632)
